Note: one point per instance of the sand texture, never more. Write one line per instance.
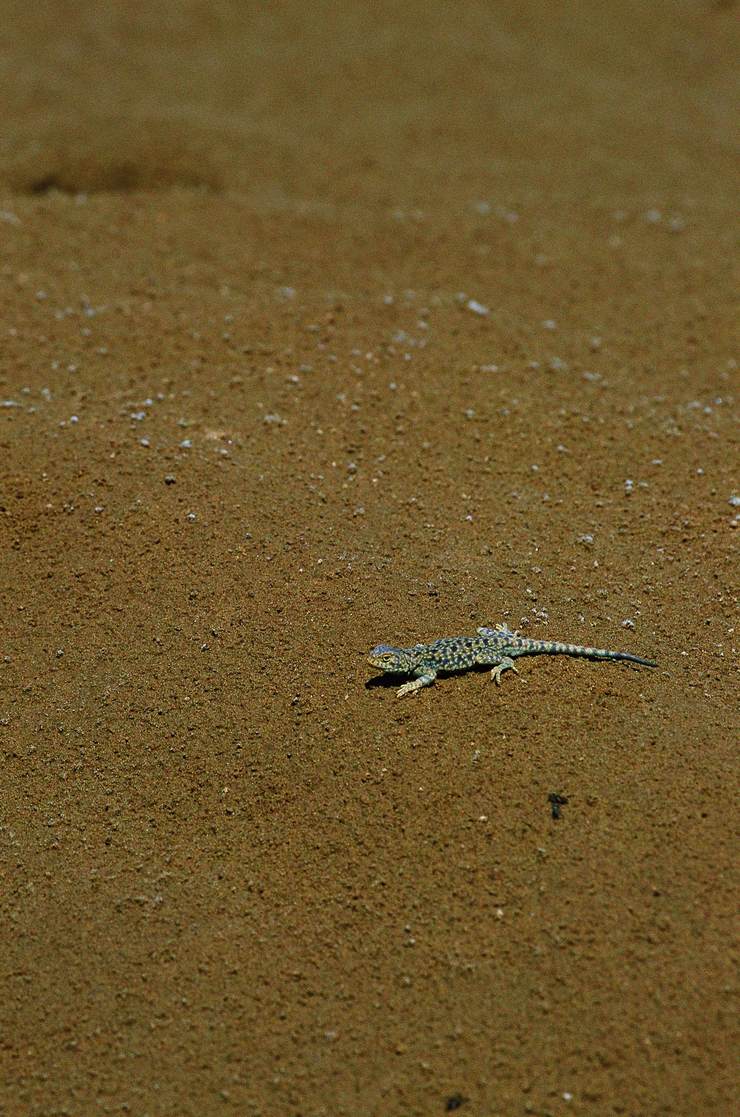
(325, 325)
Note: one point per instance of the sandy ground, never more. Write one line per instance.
(329, 325)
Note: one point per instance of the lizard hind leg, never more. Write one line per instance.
(506, 664)
(497, 630)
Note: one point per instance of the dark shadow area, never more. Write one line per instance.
(115, 178)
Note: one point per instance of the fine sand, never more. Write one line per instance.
(325, 325)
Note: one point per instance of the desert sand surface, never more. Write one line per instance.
(326, 325)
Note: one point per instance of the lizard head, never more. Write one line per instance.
(399, 661)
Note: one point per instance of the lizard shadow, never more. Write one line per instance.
(383, 681)
(390, 681)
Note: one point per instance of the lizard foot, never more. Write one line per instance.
(416, 684)
(506, 664)
(497, 630)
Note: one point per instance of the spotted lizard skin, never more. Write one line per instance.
(491, 647)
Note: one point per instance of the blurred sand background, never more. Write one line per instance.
(325, 325)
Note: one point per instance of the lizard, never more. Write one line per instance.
(491, 647)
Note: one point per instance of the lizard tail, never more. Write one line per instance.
(547, 647)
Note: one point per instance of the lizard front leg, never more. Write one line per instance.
(425, 677)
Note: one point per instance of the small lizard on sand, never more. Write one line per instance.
(492, 647)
